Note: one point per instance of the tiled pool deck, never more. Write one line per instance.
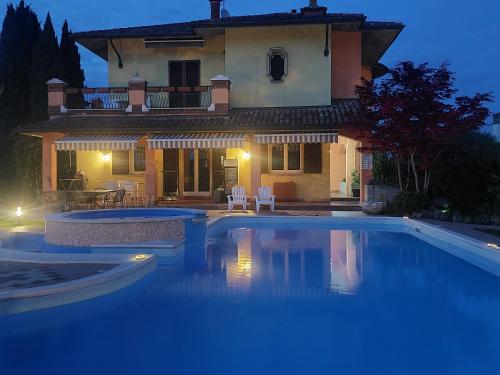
(23, 275)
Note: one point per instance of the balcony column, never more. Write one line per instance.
(221, 86)
(137, 88)
(366, 174)
(255, 171)
(151, 178)
(56, 90)
(49, 162)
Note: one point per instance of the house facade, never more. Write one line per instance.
(196, 106)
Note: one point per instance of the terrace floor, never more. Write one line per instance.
(23, 275)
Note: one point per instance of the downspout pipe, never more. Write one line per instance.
(120, 62)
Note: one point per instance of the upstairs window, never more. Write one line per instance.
(277, 64)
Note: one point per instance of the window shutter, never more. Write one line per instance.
(264, 159)
(313, 158)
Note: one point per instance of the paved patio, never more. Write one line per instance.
(23, 275)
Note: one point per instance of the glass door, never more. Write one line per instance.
(189, 170)
(184, 74)
(203, 170)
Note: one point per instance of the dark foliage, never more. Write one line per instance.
(46, 58)
(468, 175)
(409, 203)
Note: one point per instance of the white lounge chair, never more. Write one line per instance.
(265, 197)
(237, 198)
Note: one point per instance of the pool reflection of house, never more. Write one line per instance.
(281, 258)
(270, 94)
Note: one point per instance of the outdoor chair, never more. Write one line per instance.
(237, 198)
(131, 190)
(265, 197)
(118, 199)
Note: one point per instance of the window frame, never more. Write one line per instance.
(277, 51)
(132, 161)
(284, 171)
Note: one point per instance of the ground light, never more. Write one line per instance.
(140, 257)
(19, 213)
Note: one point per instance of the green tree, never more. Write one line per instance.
(20, 30)
(46, 64)
(72, 72)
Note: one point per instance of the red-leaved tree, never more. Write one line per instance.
(413, 113)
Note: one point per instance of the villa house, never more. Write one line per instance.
(250, 100)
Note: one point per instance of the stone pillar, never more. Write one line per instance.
(56, 97)
(221, 87)
(49, 162)
(137, 87)
(151, 178)
(366, 174)
(255, 172)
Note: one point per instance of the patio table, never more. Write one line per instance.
(91, 195)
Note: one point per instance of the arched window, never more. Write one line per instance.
(277, 64)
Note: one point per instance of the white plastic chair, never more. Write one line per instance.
(265, 197)
(237, 198)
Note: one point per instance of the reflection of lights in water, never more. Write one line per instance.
(345, 276)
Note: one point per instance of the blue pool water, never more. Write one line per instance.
(268, 298)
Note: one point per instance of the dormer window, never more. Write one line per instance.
(277, 64)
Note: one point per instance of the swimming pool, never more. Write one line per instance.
(272, 296)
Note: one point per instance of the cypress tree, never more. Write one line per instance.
(72, 72)
(20, 31)
(46, 64)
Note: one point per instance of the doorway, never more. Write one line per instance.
(184, 74)
(171, 172)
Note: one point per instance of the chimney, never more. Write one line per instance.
(215, 10)
(313, 9)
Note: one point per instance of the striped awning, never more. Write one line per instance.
(198, 140)
(279, 138)
(98, 142)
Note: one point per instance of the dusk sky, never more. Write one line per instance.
(464, 32)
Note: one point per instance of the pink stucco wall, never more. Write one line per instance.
(346, 63)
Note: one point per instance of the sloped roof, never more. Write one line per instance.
(379, 35)
(333, 117)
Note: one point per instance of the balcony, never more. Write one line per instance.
(139, 98)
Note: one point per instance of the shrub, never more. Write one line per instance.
(409, 203)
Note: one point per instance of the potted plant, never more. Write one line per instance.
(355, 180)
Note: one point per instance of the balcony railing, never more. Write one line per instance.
(178, 97)
(97, 98)
(139, 98)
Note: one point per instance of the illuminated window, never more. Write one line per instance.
(286, 158)
(277, 64)
(140, 159)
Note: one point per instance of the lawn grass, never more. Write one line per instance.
(494, 232)
(8, 223)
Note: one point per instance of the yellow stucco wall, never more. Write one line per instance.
(152, 63)
(309, 71)
(98, 171)
(350, 163)
(309, 186)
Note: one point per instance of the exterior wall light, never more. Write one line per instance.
(106, 156)
(246, 156)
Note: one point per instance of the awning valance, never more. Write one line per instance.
(201, 140)
(98, 142)
(279, 138)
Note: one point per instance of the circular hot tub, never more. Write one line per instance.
(121, 226)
